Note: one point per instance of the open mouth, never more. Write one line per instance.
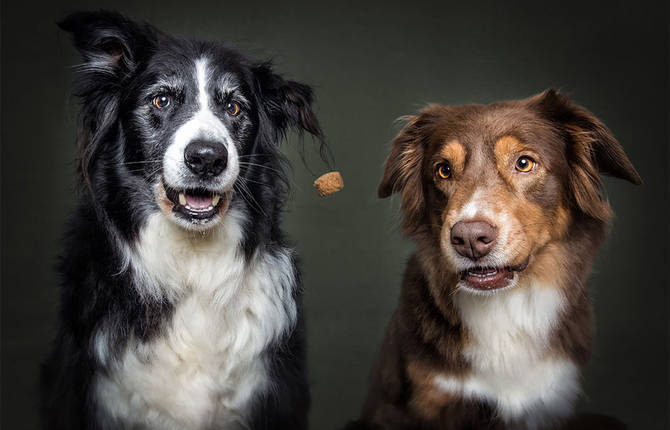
(491, 278)
(197, 205)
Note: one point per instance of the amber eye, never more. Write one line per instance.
(524, 164)
(444, 170)
(232, 108)
(161, 101)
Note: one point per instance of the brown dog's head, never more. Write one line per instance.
(495, 185)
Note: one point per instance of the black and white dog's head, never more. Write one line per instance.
(184, 127)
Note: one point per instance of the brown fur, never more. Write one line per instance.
(557, 215)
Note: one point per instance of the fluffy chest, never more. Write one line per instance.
(208, 362)
(512, 365)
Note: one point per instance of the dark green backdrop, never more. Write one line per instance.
(369, 63)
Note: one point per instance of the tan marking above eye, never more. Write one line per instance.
(455, 153)
(507, 145)
(508, 148)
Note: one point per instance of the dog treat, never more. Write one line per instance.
(328, 183)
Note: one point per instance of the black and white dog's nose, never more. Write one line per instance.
(206, 158)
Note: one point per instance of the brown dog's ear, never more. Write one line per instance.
(592, 150)
(587, 130)
(402, 171)
(404, 159)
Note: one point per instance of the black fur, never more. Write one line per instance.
(114, 198)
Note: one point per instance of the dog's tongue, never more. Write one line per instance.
(198, 202)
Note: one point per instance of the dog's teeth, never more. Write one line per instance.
(182, 199)
(215, 199)
(481, 273)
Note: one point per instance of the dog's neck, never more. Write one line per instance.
(511, 338)
(173, 261)
(516, 325)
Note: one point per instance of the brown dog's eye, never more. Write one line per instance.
(444, 170)
(525, 164)
(232, 108)
(161, 101)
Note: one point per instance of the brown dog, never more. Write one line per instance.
(494, 322)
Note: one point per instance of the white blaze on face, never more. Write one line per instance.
(204, 124)
(480, 207)
(474, 208)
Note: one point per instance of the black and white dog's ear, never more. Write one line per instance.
(288, 103)
(109, 43)
(111, 46)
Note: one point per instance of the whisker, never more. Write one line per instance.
(256, 182)
(246, 195)
(247, 163)
(255, 155)
(125, 163)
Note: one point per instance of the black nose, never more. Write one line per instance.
(473, 239)
(206, 158)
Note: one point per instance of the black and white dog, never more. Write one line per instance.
(181, 304)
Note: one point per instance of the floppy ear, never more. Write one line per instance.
(111, 46)
(288, 103)
(402, 170)
(109, 43)
(403, 164)
(591, 150)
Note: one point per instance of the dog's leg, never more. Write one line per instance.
(386, 406)
(65, 383)
(286, 404)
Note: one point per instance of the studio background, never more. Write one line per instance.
(369, 62)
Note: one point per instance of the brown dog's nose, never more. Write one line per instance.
(473, 239)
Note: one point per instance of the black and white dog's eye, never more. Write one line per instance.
(232, 108)
(161, 101)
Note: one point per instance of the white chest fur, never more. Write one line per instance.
(207, 364)
(511, 363)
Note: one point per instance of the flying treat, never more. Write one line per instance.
(328, 183)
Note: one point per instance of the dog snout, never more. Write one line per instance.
(473, 239)
(206, 158)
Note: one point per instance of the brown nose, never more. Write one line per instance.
(473, 239)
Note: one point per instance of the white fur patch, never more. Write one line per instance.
(511, 363)
(204, 369)
(203, 125)
(480, 208)
(473, 208)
